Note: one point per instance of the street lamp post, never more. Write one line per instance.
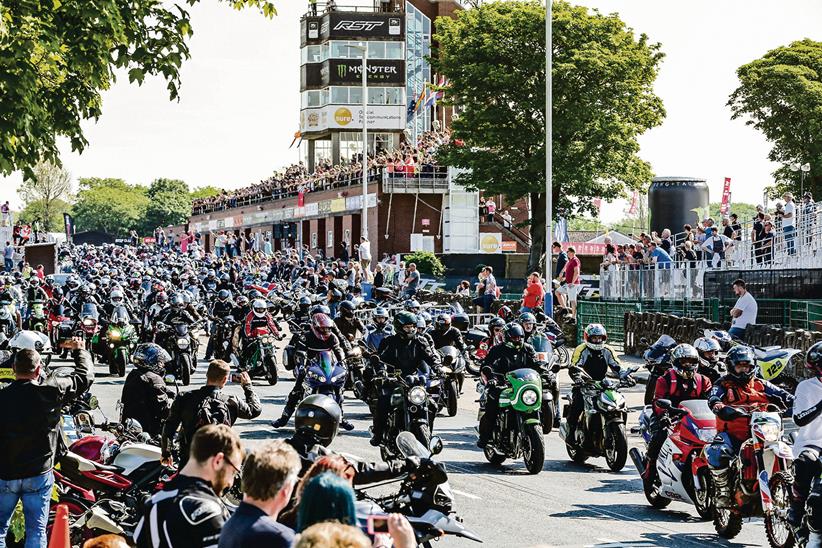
(364, 221)
(548, 152)
(803, 170)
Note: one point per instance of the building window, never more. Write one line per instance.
(418, 70)
(338, 49)
(314, 98)
(311, 54)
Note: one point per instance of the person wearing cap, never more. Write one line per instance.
(789, 223)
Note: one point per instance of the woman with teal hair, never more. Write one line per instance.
(326, 497)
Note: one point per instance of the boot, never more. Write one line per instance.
(796, 513)
(345, 425)
(722, 487)
(282, 421)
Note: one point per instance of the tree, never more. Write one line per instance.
(169, 203)
(603, 76)
(109, 205)
(46, 194)
(780, 94)
(58, 56)
(205, 192)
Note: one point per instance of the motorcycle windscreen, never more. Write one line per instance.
(119, 316)
(660, 347)
(410, 446)
(89, 310)
(540, 343)
(325, 360)
(698, 408)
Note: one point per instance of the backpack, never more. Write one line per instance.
(212, 410)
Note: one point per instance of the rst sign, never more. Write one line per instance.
(362, 25)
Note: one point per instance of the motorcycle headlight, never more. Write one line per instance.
(443, 496)
(88, 322)
(182, 343)
(417, 395)
(706, 434)
(313, 376)
(769, 432)
(115, 334)
(530, 397)
(336, 378)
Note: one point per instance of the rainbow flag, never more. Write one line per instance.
(421, 98)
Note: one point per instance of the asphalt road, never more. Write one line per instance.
(565, 505)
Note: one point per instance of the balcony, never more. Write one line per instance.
(434, 181)
(394, 6)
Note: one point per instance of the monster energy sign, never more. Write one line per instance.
(378, 71)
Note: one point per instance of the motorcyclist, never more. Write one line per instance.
(444, 334)
(405, 351)
(731, 398)
(256, 323)
(301, 314)
(681, 382)
(348, 324)
(145, 396)
(34, 293)
(177, 311)
(221, 307)
(596, 358)
(496, 331)
(378, 329)
(316, 423)
(529, 324)
(317, 338)
(709, 364)
(807, 414)
(503, 358)
(422, 331)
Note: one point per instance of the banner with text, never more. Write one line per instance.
(726, 198)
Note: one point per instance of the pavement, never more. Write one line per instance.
(565, 505)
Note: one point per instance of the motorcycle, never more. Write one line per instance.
(424, 496)
(8, 324)
(453, 373)
(548, 369)
(408, 411)
(118, 340)
(478, 341)
(601, 428)
(658, 361)
(559, 344)
(88, 327)
(223, 332)
(37, 320)
(518, 430)
(325, 375)
(263, 362)
(355, 367)
(761, 482)
(681, 468)
(178, 342)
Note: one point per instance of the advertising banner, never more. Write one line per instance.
(584, 248)
(490, 242)
(362, 25)
(337, 205)
(725, 206)
(509, 246)
(341, 72)
(390, 117)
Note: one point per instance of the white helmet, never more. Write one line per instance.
(259, 307)
(32, 340)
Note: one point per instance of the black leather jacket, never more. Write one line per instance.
(186, 513)
(349, 327)
(504, 358)
(450, 337)
(411, 356)
(30, 415)
(147, 400)
(367, 472)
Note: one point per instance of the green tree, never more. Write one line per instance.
(427, 262)
(603, 76)
(46, 193)
(109, 205)
(205, 192)
(169, 203)
(780, 94)
(58, 56)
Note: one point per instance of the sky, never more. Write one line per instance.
(240, 97)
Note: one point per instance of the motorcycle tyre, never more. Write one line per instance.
(563, 356)
(423, 434)
(652, 495)
(650, 388)
(548, 416)
(492, 456)
(779, 481)
(185, 369)
(271, 371)
(121, 360)
(535, 461)
(704, 508)
(616, 431)
(729, 527)
(576, 454)
(453, 398)
(472, 367)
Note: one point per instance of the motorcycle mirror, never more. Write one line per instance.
(170, 379)
(664, 404)
(556, 367)
(435, 446)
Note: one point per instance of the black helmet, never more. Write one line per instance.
(813, 359)
(318, 416)
(151, 357)
(496, 323)
(223, 295)
(320, 309)
(405, 318)
(335, 294)
(505, 312)
(178, 301)
(346, 309)
(254, 294)
(412, 305)
(514, 334)
(305, 302)
(443, 322)
(739, 355)
(685, 360)
(57, 292)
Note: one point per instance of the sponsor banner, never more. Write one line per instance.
(490, 242)
(362, 25)
(353, 203)
(390, 117)
(150, 240)
(725, 206)
(341, 72)
(509, 246)
(311, 209)
(337, 205)
(585, 248)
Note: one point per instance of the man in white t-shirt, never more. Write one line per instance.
(789, 222)
(807, 414)
(744, 311)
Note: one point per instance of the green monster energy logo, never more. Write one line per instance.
(342, 71)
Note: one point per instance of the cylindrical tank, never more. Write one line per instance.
(674, 202)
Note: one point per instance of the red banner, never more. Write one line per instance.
(726, 197)
(300, 199)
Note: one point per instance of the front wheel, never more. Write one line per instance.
(650, 388)
(563, 356)
(271, 371)
(547, 416)
(779, 533)
(616, 447)
(702, 497)
(453, 398)
(576, 454)
(533, 448)
(727, 522)
(121, 359)
(423, 434)
(184, 369)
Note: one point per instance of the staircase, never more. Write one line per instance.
(513, 233)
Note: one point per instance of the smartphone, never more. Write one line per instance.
(235, 377)
(377, 524)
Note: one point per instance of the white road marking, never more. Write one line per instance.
(464, 494)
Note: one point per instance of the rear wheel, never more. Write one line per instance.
(616, 446)
(453, 398)
(472, 366)
(184, 362)
(547, 416)
(779, 533)
(533, 448)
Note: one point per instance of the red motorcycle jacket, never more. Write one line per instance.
(754, 395)
(254, 326)
(671, 387)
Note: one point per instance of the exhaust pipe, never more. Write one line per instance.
(638, 458)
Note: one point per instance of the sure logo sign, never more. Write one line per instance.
(358, 25)
(343, 116)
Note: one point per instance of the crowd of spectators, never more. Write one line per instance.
(406, 160)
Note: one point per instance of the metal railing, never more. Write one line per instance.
(321, 8)
(434, 180)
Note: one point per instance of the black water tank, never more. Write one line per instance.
(674, 202)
